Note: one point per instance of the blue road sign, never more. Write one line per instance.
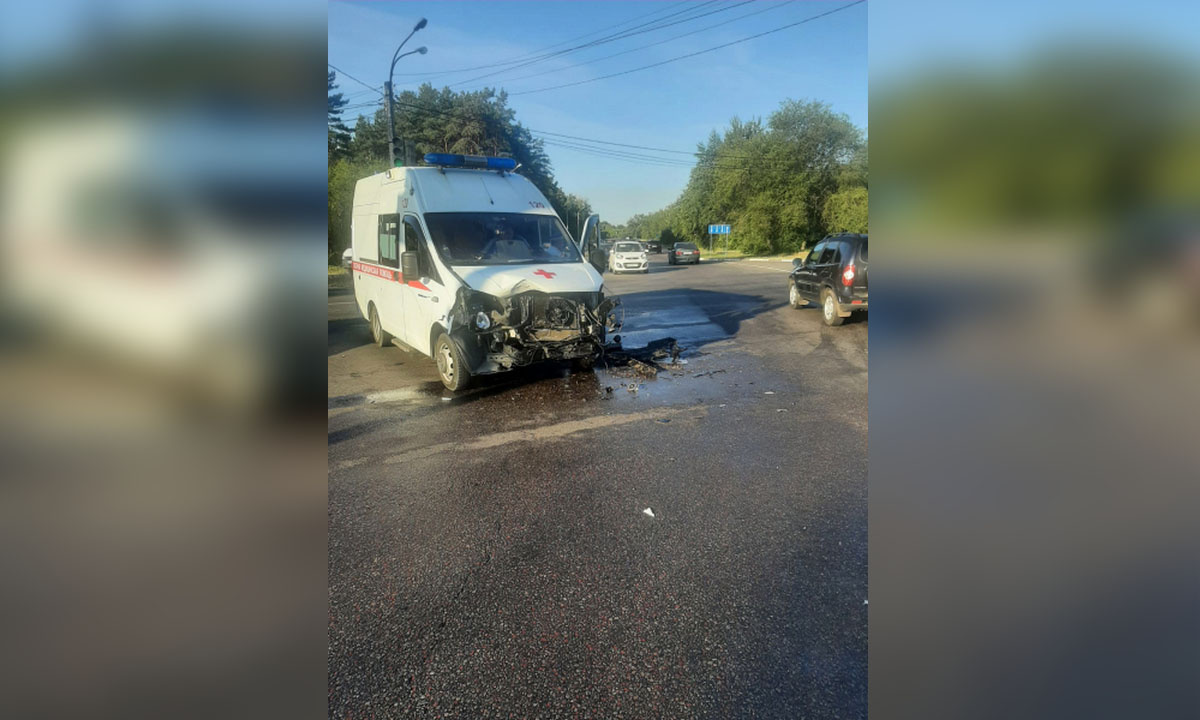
(718, 229)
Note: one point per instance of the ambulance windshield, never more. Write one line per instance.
(500, 239)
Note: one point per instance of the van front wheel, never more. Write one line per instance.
(452, 371)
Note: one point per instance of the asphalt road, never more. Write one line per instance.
(489, 555)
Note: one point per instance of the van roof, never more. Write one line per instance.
(461, 190)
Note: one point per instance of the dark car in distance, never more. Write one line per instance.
(683, 252)
(653, 246)
(834, 275)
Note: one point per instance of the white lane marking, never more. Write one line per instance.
(537, 434)
(399, 395)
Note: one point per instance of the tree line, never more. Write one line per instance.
(782, 184)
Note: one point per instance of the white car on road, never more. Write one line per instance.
(628, 256)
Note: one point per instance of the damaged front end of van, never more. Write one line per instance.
(496, 334)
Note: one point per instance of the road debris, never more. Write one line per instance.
(644, 361)
(769, 392)
(642, 368)
(649, 512)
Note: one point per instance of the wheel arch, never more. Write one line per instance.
(434, 331)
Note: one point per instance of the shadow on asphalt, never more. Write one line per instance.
(854, 319)
(347, 334)
(662, 310)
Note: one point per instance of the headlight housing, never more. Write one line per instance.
(482, 321)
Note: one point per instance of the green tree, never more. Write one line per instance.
(339, 134)
(846, 210)
(343, 174)
(773, 181)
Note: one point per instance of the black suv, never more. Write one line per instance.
(834, 275)
(653, 246)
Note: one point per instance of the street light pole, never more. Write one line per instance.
(387, 93)
(387, 90)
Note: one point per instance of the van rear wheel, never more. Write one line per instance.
(452, 371)
(378, 334)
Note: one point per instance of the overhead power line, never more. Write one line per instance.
(606, 152)
(725, 160)
(772, 6)
(434, 111)
(360, 82)
(607, 142)
(635, 30)
(724, 163)
(535, 53)
(611, 38)
(360, 93)
(377, 103)
(694, 54)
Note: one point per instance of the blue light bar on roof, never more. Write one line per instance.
(471, 161)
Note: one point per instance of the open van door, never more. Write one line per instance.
(589, 244)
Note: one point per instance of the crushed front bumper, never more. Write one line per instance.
(499, 334)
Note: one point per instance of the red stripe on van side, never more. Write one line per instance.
(375, 270)
(386, 274)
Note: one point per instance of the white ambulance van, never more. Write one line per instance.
(466, 262)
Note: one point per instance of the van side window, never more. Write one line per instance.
(833, 254)
(414, 241)
(389, 240)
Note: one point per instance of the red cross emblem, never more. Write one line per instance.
(544, 274)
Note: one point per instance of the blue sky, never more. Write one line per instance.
(673, 106)
(915, 35)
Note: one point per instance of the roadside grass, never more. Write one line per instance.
(339, 278)
(738, 254)
(722, 254)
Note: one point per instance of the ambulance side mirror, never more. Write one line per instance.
(410, 266)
